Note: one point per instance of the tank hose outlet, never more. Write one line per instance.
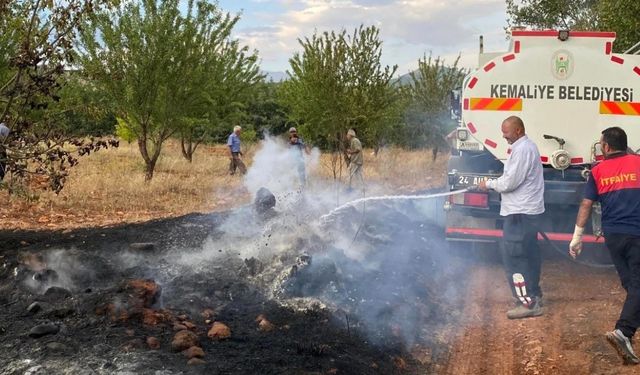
(560, 159)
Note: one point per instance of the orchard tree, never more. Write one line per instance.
(338, 82)
(36, 50)
(83, 110)
(316, 92)
(224, 74)
(428, 119)
(374, 99)
(159, 68)
(132, 56)
(266, 113)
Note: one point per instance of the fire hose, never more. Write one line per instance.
(566, 255)
(325, 218)
(556, 248)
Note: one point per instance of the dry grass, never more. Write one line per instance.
(108, 187)
(395, 170)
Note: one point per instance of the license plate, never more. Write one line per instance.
(470, 146)
(469, 180)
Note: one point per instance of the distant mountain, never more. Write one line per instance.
(405, 79)
(282, 76)
(275, 76)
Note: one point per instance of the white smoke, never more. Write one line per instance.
(275, 167)
(361, 243)
(66, 265)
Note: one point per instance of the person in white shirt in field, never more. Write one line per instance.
(521, 187)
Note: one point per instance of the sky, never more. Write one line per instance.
(409, 29)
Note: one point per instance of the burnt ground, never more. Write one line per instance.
(365, 294)
(381, 299)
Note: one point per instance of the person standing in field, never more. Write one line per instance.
(521, 188)
(354, 151)
(615, 183)
(4, 133)
(298, 148)
(235, 154)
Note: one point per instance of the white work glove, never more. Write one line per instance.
(575, 247)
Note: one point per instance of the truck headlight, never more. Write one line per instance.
(462, 134)
(563, 35)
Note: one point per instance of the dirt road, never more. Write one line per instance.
(581, 304)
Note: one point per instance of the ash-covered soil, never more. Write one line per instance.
(238, 293)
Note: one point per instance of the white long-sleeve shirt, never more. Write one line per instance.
(522, 184)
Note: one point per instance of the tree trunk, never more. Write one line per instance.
(187, 149)
(434, 153)
(148, 170)
(149, 161)
(189, 145)
(376, 149)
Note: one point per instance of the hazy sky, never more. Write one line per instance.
(408, 28)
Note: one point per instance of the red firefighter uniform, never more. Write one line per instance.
(615, 183)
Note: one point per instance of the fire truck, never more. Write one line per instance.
(567, 86)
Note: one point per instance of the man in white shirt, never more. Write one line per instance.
(521, 187)
(4, 131)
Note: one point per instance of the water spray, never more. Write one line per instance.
(327, 217)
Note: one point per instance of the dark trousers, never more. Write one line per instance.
(521, 253)
(3, 158)
(236, 162)
(625, 254)
(302, 173)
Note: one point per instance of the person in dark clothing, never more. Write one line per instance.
(615, 183)
(299, 148)
(356, 160)
(4, 133)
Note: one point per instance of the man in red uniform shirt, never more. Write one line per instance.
(615, 183)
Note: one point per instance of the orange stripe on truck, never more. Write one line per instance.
(619, 108)
(495, 104)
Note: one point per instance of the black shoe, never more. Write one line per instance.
(622, 345)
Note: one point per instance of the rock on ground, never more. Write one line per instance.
(194, 352)
(184, 340)
(219, 331)
(43, 330)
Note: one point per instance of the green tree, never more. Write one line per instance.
(36, 48)
(224, 78)
(623, 17)
(159, 68)
(428, 91)
(266, 113)
(133, 56)
(83, 110)
(338, 82)
(620, 16)
(553, 14)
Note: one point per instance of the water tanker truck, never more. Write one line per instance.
(567, 86)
